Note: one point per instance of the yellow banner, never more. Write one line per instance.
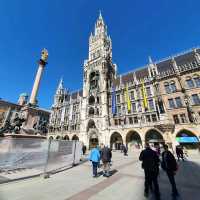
(127, 99)
(144, 95)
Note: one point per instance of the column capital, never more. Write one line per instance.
(42, 62)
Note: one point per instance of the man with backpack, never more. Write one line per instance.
(106, 156)
(150, 164)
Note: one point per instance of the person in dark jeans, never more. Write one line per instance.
(94, 158)
(169, 165)
(150, 164)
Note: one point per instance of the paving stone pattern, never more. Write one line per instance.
(126, 183)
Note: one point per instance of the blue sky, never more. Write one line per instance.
(138, 28)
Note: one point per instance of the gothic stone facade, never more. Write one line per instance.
(172, 89)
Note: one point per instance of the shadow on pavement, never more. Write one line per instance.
(187, 181)
(112, 172)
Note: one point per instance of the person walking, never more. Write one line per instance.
(179, 152)
(94, 158)
(106, 156)
(169, 165)
(150, 164)
(125, 150)
(84, 149)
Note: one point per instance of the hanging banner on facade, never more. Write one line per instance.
(113, 101)
(144, 95)
(127, 99)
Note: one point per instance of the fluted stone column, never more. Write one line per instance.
(42, 63)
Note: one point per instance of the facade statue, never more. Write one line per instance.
(13, 127)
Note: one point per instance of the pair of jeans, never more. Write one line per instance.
(170, 175)
(151, 177)
(94, 168)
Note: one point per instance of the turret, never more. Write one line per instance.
(60, 94)
(23, 98)
(197, 56)
(153, 71)
(100, 44)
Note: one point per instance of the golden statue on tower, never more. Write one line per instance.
(44, 55)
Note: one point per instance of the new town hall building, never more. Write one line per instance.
(157, 103)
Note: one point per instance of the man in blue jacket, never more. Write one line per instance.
(94, 158)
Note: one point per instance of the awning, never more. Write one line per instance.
(187, 139)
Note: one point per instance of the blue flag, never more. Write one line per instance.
(114, 110)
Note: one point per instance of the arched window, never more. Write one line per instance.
(98, 100)
(190, 83)
(91, 100)
(94, 78)
(167, 88)
(97, 111)
(91, 111)
(197, 80)
(173, 86)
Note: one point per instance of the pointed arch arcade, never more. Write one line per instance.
(75, 137)
(133, 139)
(116, 141)
(154, 136)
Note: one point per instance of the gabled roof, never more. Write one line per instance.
(163, 66)
(142, 73)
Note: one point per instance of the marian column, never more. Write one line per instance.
(42, 63)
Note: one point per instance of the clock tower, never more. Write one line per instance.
(99, 71)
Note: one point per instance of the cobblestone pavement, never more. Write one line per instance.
(126, 183)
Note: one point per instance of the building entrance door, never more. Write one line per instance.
(94, 141)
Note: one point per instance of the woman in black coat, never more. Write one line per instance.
(169, 165)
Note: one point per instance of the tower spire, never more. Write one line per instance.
(100, 15)
(150, 60)
(60, 85)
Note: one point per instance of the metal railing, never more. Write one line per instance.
(27, 157)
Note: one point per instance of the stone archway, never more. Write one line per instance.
(58, 137)
(93, 140)
(154, 137)
(187, 139)
(66, 137)
(75, 137)
(51, 138)
(116, 141)
(133, 140)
